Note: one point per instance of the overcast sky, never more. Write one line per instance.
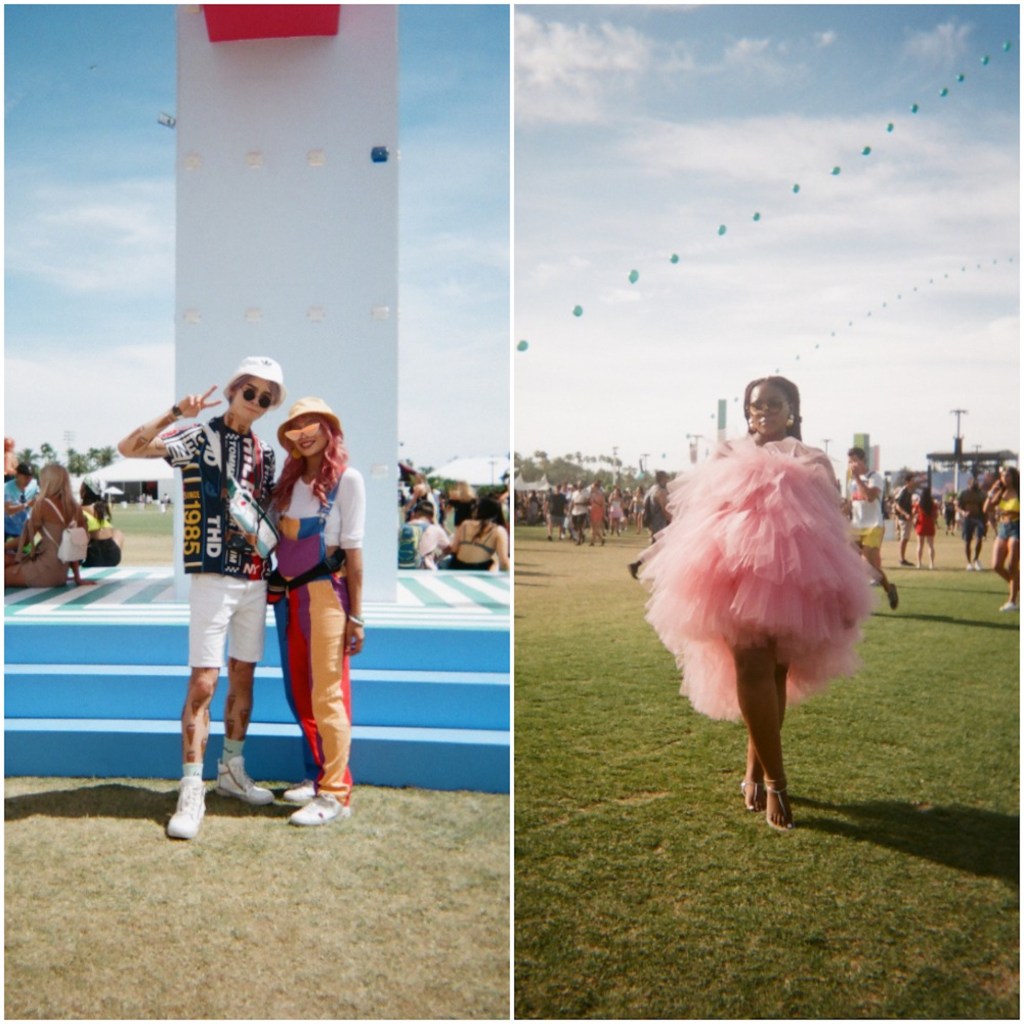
(887, 291)
(89, 212)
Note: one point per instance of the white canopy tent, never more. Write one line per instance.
(538, 485)
(481, 470)
(129, 476)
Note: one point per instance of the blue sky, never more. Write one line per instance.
(886, 291)
(89, 215)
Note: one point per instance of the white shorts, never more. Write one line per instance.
(222, 607)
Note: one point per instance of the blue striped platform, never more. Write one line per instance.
(95, 678)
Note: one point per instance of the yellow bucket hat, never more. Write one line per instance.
(303, 407)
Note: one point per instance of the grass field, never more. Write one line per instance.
(400, 912)
(148, 534)
(642, 887)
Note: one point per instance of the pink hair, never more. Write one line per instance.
(334, 461)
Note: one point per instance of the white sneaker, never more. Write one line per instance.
(232, 780)
(185, 821)
(977, 566)
(324, 807)
(1010, 606)
(302, 793)
(970, 568)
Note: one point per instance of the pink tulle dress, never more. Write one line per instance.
(758, 549)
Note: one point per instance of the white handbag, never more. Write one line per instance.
(74, 541)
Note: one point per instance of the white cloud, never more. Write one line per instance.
(752, 55)
(567, 73)
(941, 45)
(40, 405)
(115, 237)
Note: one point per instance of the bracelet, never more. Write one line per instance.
(356, 621)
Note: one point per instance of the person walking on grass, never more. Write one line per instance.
(598, 507)
(903, 514)
(754, 585)
(1004, 500)
(865, 503)
(228, 570)
(580, 509)
(317, 595)
(925, 513)
(655, 513)
(970, 503)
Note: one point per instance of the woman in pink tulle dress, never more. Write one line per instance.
(755, 586)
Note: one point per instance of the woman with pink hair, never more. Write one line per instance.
(320, 503)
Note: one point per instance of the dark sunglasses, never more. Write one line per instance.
(250, 393)
(771, 405)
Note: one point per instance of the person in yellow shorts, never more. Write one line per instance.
(1004, 499)
(865, 502)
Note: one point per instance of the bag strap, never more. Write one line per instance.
(326, 567)
(42, 526)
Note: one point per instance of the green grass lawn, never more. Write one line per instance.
(148, 534)
(400, 913)
(642, 887)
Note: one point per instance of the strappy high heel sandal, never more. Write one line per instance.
(751, 804)
(778, 794)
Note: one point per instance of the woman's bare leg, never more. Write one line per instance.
(758, 691)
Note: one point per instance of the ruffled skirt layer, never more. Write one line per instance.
(757, 552)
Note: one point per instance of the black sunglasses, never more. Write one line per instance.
(250, 393)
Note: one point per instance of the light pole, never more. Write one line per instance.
(957, 448)
(694, 438)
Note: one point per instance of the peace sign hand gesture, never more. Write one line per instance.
(192, 405)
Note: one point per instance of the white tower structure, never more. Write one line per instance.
(287, 225)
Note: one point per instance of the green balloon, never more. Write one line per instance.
(634, 276)
(796, 188)
(675, 258)
(914, 108)
(1007, 46)
(866, 151)
(757, 216)
(985, 59)
(721, 229)
(943, 91)
(523, 346)
(960, 77)
(836, 171)
(890, 127)
(577, 311)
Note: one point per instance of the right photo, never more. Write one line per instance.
(766, 511)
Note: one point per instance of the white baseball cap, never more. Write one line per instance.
(258, 366)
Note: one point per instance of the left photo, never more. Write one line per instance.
(256, 505)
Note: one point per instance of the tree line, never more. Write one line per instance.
(575, 466)
(77, 463)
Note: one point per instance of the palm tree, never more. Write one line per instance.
(101, 457)
(78, 464)
(30, 458)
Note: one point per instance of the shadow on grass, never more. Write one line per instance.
(120, 800)
(979, 842)
(1009, 624)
